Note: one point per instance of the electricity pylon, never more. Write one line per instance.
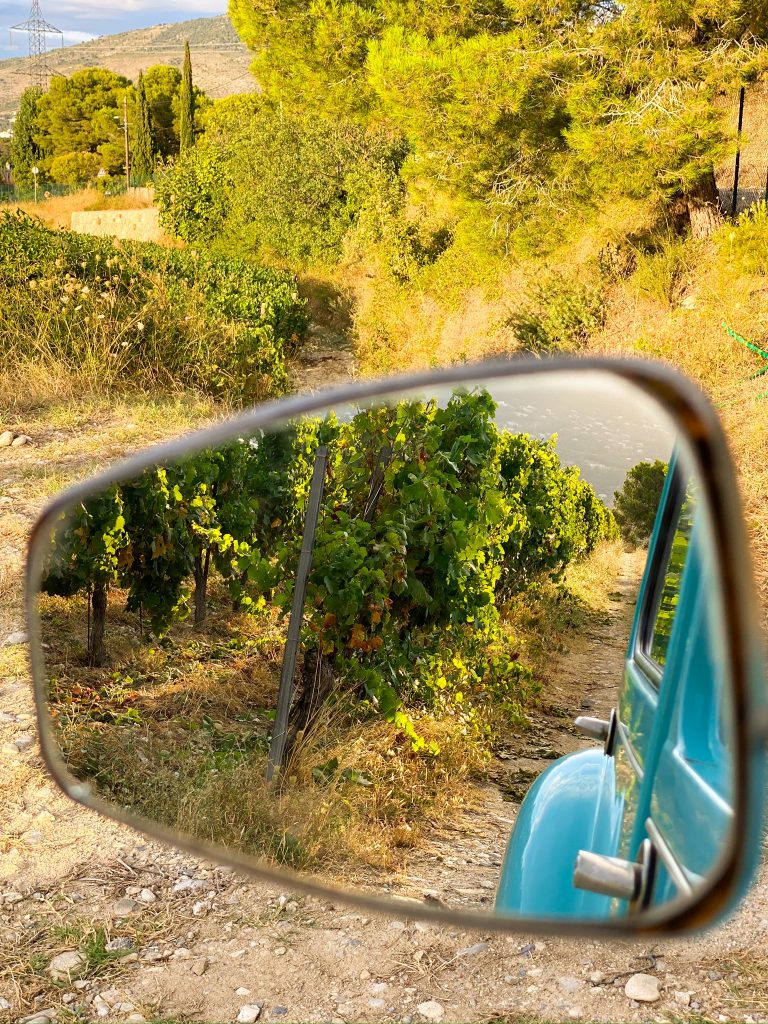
(37, 28)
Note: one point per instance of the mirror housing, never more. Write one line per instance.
(741, 652)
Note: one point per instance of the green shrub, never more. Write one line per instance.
(402, 595)
(286, 187)
(661, 270)
(746, 243)
(143, 315)
(636, 504)
(75, 168)
(192, 194)
(561, 517)
(560, 315)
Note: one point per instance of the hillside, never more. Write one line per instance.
(220, 60)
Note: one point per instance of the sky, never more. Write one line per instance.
(84, 19)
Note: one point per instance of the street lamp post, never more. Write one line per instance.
(127, 144)
(124, 126)
(127, 148)
(35, 172)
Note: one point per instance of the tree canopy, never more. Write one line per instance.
(162, 83)
(25, 151)
(509, 101)
(75, 129)
(288, 186)
(144, 147)
(186, 105)
(80, 114)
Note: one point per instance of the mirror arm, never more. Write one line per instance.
(599, 729)
(609, 876)
(618, 878)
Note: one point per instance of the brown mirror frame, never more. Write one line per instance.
(696, 420)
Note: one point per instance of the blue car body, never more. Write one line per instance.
(665, 775)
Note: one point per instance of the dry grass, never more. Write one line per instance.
(352, 798)
(56, 211)
(459, 309)
(179, 731)
(549, 623)
(55, 927)
(592, 580)
(398, 329)
(8, 581)
(46, 393)
(80, 433)
(746, 981)
(673, 307)
(691, 336)
(28, 384)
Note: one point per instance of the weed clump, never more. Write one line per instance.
(745, 244)
(560, 315)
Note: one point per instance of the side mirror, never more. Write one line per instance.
(484, 640)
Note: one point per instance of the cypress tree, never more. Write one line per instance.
(25, 151)
(143, 147)
(187, 104)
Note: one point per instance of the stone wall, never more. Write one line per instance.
(137, 225)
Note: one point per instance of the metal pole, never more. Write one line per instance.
(377, 483)
(127, 149)
(736, 166)
(285, 695)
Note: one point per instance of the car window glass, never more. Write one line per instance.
(670, 591)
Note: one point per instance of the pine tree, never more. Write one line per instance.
(161, 85)
(25, 151)
(187, 104)
(143, 146)
(520, 105)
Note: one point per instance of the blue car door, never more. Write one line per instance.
(658, 794)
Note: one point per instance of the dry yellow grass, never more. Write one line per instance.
(29, 384)
(179, 733)
(592, 580)
(691, 336)
(56, 211)
(415, 330)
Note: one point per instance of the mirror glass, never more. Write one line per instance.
(462, 646)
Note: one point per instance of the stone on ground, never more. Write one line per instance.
(432, 1010)
(643, 988)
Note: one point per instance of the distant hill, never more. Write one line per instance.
(220, 61)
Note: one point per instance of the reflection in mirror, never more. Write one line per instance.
(355, 644)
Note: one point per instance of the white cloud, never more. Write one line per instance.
(70, 38)
(89, 9)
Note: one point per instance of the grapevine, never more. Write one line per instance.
(432, 518)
